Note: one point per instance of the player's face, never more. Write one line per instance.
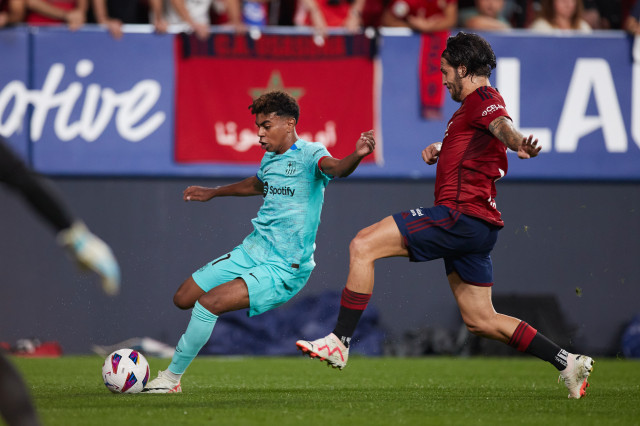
(273, 131)
(451, 80)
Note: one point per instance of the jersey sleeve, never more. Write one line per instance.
(317, 152)
(260, 172)
(487, 106)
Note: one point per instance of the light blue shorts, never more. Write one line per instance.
(270, 284)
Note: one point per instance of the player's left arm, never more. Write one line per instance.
(503, 129)
(344, 167)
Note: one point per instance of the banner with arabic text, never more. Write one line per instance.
(217, 80)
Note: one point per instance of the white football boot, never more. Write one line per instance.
(329, 349)
(576, 374)
(163, 384)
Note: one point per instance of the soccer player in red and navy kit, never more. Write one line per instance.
(462, 227)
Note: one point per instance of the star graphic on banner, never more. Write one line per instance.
(275, 83)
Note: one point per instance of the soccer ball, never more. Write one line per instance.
(125, 371)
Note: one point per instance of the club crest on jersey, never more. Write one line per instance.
(291, 168)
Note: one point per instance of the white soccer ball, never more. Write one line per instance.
(125, 371)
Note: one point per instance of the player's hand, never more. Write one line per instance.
(366, 144)
(529, 148)
(92, 253)
(431, 153)
(198, 193)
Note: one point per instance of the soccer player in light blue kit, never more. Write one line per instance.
(275, 261)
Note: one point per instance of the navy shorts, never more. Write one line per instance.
(464, 242)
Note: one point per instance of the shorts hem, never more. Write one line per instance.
(477, 284)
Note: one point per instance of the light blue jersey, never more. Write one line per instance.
(286, 225)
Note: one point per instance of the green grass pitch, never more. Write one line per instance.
(370, 391)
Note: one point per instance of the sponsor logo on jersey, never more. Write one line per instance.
(491, 109)
(283, 190)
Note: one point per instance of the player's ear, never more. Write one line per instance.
(462, 71)
(291, 124)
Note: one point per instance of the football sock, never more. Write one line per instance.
(173, 376)
(527, 339)
(198, 333)
(352, 305)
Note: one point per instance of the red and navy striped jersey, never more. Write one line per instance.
(472, 159)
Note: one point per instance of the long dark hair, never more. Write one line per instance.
(471, 51)
(548, 12)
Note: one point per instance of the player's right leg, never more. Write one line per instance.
(382, 239)
(212, 290)
(226, 297)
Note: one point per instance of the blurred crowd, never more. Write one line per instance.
(197, 16)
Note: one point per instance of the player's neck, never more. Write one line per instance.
(289, 141)
(473, 83)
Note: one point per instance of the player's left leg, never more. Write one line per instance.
(481, 319)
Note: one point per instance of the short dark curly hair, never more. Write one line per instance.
(471, 51)
(283, 104)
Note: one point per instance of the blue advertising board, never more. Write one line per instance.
(102, 106)
(82, 103)
(14, 85)
(577, 94)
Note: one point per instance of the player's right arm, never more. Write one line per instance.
(431, 153)
(245, 188)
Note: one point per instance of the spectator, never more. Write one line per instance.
(518, 13)
(591, 13)
(421, 15)
(632, 22)
(612, 13)
(110, 14)
(11, 12)
(348, 14)
(156, 16)
(560, 15)
(487, 15)
(194, 14)
(51, 12)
